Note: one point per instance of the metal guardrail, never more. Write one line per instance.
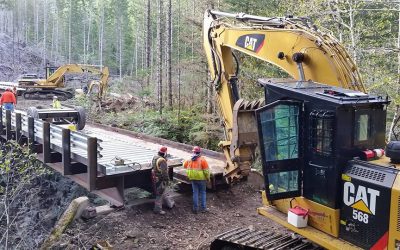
(70, 145)
(77, 139)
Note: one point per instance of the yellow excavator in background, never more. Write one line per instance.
(320, 136)
(54, 83)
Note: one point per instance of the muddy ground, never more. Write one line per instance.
(139, 228)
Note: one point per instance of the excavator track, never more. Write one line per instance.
(250, 239)
(46, 94)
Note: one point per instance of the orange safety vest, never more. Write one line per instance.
(197, 170)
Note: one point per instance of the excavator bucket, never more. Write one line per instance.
(244, 134)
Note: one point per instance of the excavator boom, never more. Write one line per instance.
(292, 44)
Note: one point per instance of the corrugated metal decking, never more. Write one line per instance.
(91, 157)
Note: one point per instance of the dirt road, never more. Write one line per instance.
(139, 228)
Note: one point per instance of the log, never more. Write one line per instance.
(73, 211)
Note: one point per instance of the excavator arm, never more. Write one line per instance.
(292, 44)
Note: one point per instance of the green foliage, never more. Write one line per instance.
(191, 127)
(18, 165)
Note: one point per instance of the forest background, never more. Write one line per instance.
(154, 51)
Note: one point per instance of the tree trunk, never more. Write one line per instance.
(396, 113)
(57, 36)
(88, 32)
(84, 41)
(136, 50)
(13, 36)
(143, 47)
(352, 35)
(169, 52)
(179, 59)
(26, 26)
(148, 42)
(36, 10)
(120, 42)
(101, 34)
(160, 51)
(53, 31)
(44, 53)
(69, 31)
(193, 28)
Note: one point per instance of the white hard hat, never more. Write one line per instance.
(55, 97)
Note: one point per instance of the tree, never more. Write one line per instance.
(160, 53)
(169, 52)
(148, 40)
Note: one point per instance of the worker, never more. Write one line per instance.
(160, 181)
(56, 103)
(198, 173)
(8, 100)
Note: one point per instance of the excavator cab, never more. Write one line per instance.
(317, 143)
(50, 70)
(309, 131)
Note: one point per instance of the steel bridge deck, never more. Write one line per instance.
(88, 157)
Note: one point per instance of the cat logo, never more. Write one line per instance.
(252, 42)
(360, 198)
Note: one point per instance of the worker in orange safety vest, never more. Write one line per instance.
(160, 181)
(198, 173)
(8, 100)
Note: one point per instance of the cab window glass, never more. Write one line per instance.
(362, 129)
(283, 181)
(322, 132)
(280, 132)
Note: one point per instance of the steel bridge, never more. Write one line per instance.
(91, 158)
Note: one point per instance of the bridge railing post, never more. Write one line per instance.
(8, 125)
(66, 151)
(31, 134)
(92, 162)
(1, 122)
(46, 143)
(18, 127)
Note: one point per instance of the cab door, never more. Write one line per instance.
(279, 128)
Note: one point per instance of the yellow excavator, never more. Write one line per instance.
(54, 84)
(321, 137)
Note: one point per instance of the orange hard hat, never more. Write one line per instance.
(196, 149)
(163, 150)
